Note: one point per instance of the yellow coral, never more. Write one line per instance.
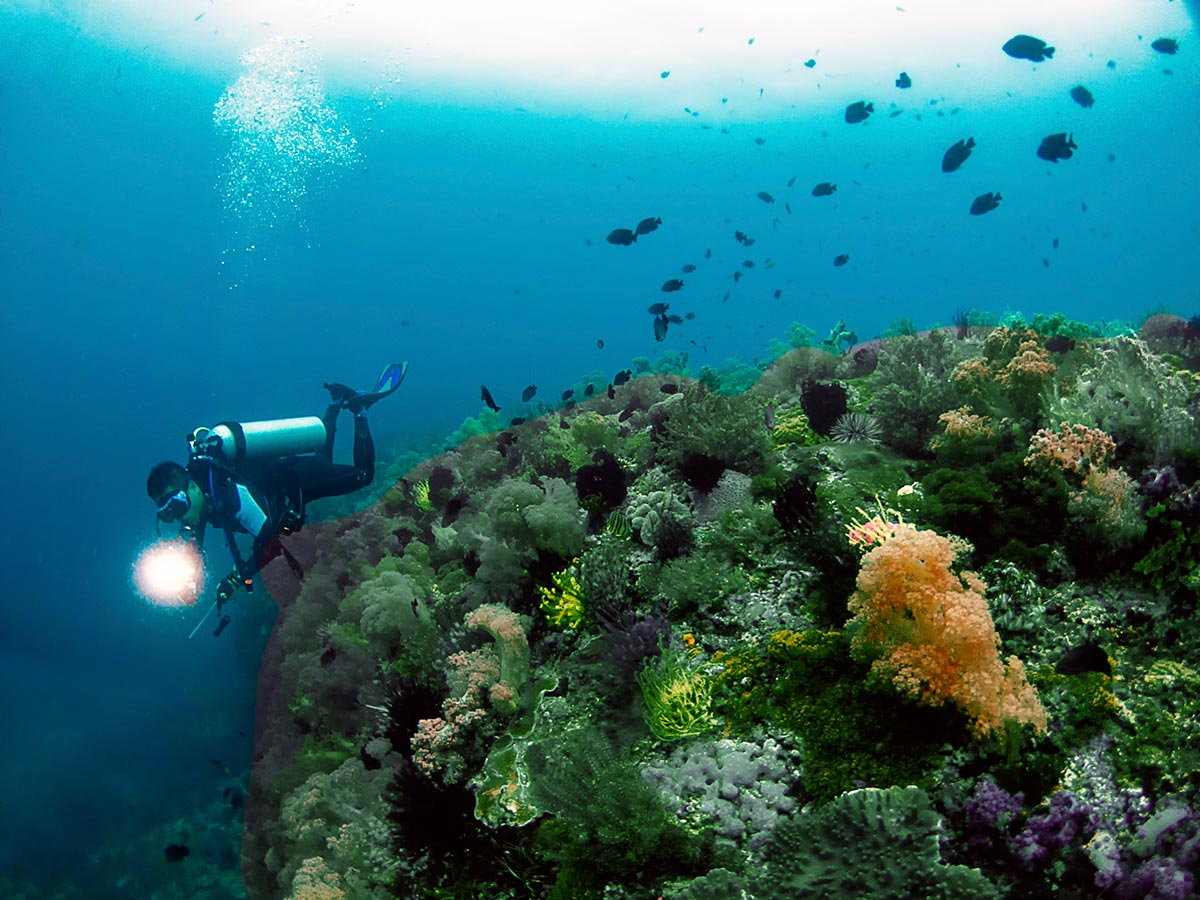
(792, 427)
(421, 495)
(563, 604)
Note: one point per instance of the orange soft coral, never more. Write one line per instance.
(929, 631)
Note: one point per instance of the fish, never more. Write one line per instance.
(765, 197)
(744, 239)
(737, 276)
(788, 207)
(660, 328)
(657, 309)
(669, 388)
(841, 259)
(674, 319)
(690, 316)
(809, 63)
(618, 524)
(648, 224)
(708, 253)
(903, 81)
(687, 268)
(957, 154)
(1056, 146)
(621, 236)
(563, 423)
(517, 420)
(567, 394)
(486, 396)
(1024, 46)
(504, 440)
(1054, 243)
(671, 284)
(824, 189)
(858, 111)
(599, 343)
(1169, 46)
(985, 203)
(623, 376)
(1083, 96)
(176, 852)
(612, 394)
(589, 390)
(529, 393)
(747, 263)
(778, 293)
(791, 180)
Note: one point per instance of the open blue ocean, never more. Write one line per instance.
(207, 230)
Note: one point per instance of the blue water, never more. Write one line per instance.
(470, 241)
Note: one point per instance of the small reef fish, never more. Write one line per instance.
(1024, 46)
(985, 203)
(623, 376)
(660, 328)
(841, 259)
(903, 81)
(1057, 146)
(657, 309)
(957, 154)
(648, 225)
(1083, 96)
(588, 390)
(744, 239)
(529, 393)
(765, 197)
(671, 284)
(486, 396)
(824, 189)
(858, 111)
(599, 343)
(687, 268)
(625, 236)
(621, 236)
(1169, 46)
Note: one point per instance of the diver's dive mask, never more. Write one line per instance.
(174, 507)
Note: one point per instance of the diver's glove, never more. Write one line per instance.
(227, 588)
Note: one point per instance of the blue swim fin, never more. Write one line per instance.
(389, 380)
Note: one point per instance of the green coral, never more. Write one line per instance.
(731, 430)
(807, 683)
(677, 694)
(868, 843)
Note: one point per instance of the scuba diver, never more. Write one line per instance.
(256, 478)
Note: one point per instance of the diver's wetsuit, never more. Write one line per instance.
(268, 497)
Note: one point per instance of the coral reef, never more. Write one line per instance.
(671, 640)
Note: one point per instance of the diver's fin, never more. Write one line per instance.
(340, 393)
(389, 380)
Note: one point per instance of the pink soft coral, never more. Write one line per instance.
(928, 629)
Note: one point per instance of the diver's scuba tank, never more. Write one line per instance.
(234, 442)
